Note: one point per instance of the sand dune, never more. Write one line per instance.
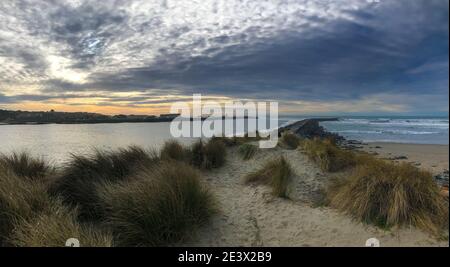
(251, 216)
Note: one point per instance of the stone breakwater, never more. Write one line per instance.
(310, 128)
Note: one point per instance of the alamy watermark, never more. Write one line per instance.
(208, 119)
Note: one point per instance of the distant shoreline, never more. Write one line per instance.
(9, 117)
(103, 122)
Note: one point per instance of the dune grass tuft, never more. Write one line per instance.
(229, 141)
(328, 156)
(388, 194)
(290, 140)
(76, 185)
(24, 165)
(173, 150)
(162, 206)
(247, 151)
(215, 154)
(197, 153)
(53, 227)
(210, 155)
(19, 199)
(239, 140)
(275, 173)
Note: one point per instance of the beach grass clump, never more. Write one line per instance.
(328, 155)
(247, 151)
(173, 150)
(239, 140)
(275, 173)
(78, 180)
(54, 227)
(208, 155)
(229, 141)
(215, 154)
(164, 205)
(24, 165)
(197, 153)
(388, 194)
(20, 199)
(290, 140)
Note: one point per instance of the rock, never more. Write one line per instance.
(310, 128)
(442, 179)
(398, 158)
(351, 147)
(354, 142)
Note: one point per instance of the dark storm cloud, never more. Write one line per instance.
(287, 50)
(344, 60)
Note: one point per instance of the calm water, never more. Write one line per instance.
(55, 142)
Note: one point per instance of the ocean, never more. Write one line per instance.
(414, 130)
(56, 142)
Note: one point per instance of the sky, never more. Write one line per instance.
(356, 57)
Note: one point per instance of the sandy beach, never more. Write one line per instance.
(251, 216)
(430, 157)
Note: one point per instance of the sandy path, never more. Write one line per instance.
(250, 216)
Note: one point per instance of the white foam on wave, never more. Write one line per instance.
(420, 123)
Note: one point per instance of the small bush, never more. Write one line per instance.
(52, 229)
(387, 194)
(276, 173)
(229, 141)
(173, 150)
(197, 153)
(238, 140)
(215, 154)
(210, 155)
(329, 157)
(162, 206)
(247, 151)
(20, 199)
(76, 185)
(24, 165)
(290, 140)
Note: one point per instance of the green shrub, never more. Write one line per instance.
(275, 173)
(164, 206)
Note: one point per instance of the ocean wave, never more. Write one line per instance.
(411, 123)
(399, 132)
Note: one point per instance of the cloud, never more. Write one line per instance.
(304, 50)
